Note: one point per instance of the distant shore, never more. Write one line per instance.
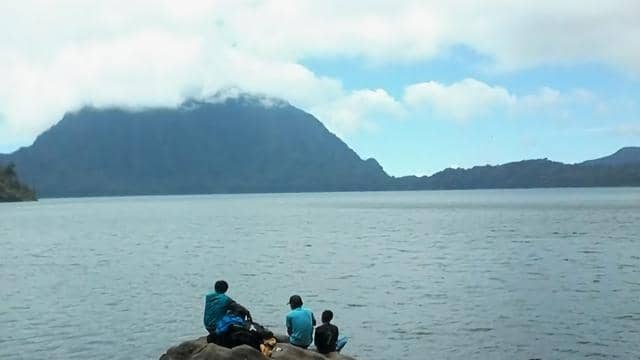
(335, 192)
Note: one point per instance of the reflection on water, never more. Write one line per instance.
(459, 274)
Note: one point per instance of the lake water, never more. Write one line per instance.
(500, 274)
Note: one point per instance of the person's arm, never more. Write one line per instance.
(313, 324)
(238, 309)
(288, 326)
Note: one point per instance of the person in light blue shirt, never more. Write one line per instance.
(300, 323)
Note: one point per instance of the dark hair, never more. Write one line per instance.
(295, 301)
(221, 286)
(327, 315)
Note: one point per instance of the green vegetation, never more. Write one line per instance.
(11, 189)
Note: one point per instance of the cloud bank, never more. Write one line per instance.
(471, 99)
(58, 56)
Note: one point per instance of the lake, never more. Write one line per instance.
(483, 274)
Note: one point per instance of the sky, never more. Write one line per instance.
(418, 85)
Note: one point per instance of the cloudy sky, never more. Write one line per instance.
(419, 85)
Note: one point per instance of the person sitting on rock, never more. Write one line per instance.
(326, 337)
(300, 322)
(220, 311)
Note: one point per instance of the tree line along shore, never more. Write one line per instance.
(11, 189)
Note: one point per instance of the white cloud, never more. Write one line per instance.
(358, 109)
(288, 80)
(461, 100)
(57, 56)
(120, 71)
(523, 34)
(513, 33)
(470, 99)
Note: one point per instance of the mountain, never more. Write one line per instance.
(624, 156)
(245, 144)
(252, 144)
(538, 173)
(10, 187)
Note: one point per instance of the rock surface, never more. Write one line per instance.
(200, 350)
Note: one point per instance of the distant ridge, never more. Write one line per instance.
(541, 173)
(624, 156)
(245, 143)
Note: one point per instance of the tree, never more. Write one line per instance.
(10, 170)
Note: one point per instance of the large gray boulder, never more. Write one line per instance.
(200, 350)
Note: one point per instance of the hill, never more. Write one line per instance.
(10, 187)
(540, 173)
(624, 156)
(246, 144)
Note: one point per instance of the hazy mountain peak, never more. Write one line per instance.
(237, 96)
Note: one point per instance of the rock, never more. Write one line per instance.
(200, 350)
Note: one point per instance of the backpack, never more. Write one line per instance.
(222, 326)
(250, 333)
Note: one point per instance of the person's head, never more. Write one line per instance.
(295, 301)
(221, 286)
(327, 316)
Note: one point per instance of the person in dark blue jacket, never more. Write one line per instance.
(217, 307)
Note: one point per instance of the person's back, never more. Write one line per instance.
(300, 323)
(220, 312)
(326, 338)
(215, 305)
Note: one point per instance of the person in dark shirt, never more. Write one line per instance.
(326, 336)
